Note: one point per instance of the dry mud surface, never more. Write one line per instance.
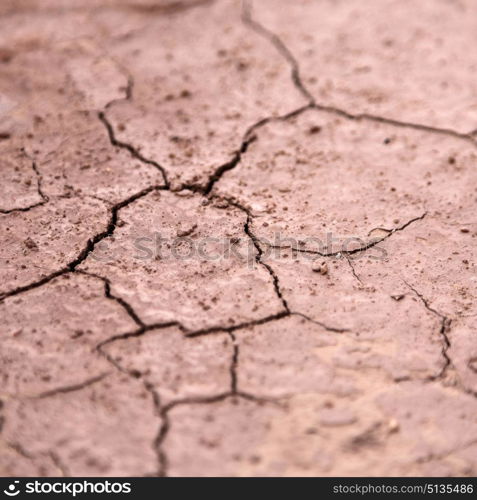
(238, 239)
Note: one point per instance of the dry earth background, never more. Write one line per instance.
(209, 119)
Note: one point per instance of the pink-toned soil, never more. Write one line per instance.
(238, 239)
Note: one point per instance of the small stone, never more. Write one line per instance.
(393, 425)
(399, 297)
(29, 243)
(321, 268)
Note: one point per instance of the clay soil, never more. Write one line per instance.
(238, 239)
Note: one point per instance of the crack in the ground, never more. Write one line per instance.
(248, 138)
(71, 388)
(258, 255)
(22, 452)
(443, 333)
(89, 247)
(152, 8)
(128, 90)
(329, 328)
(395, 123)
(286, 53)
(162, 411)
(234, 363)
(108, 294)
(134, 152)
(339, 253)
(43, 196)
(353, 270)
(220, 171)
(283, 50)
(205, 400)
(171, 7)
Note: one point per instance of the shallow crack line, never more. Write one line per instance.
(171, 7)
(339, 253)
(329, 328)
(258, 259)
(43, 196)
(353, 270)
(156, 445)
(395, 123)
(128, 147)
(234, 364)
(128, 91)
(258, 256)
(92, 242)
(233, 328)
(276, 41)
(107, 292)
(71, 388)
(89, 247)
(443, 332)
(192, 333)
(152, 7)
(270, 119)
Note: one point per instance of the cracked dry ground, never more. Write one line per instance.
(209, 122)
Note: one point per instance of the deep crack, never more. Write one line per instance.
(131, 149)
(89, 247)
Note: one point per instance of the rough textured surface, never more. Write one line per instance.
(207, 93)
(169, 246)
(325, 435)
(238, 239)
(356, 180)
(204, 362)
(396, 59)
(50, 335)
(87, 432)
(20, 189)
(40, 241)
